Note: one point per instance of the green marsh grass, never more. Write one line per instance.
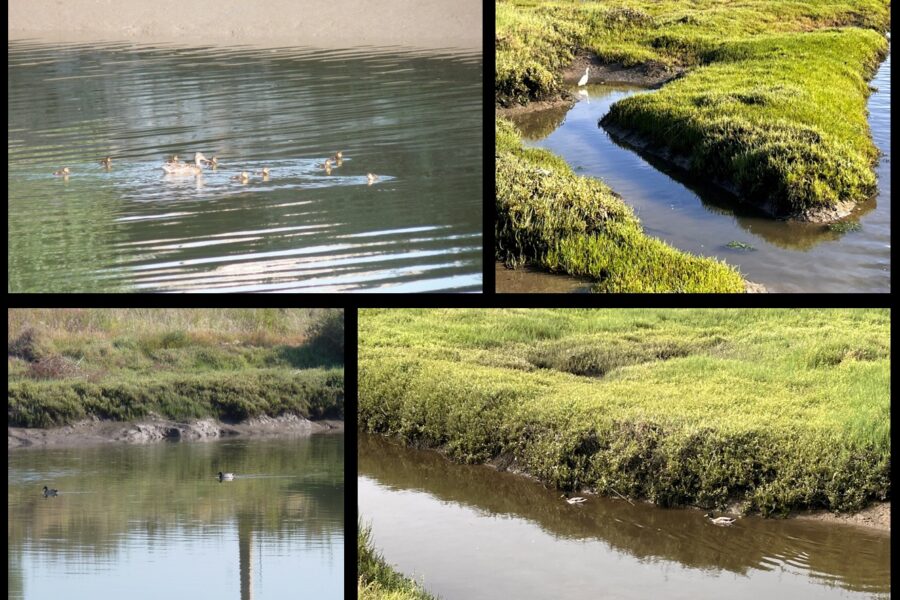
(772, 100)
(548, 216)
(779, 409)
(64, 365)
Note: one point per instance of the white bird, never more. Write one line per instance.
(584, 77)
(576, 500)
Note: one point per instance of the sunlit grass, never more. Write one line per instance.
(68, 364)
(550, 217)
(773, 97)
(782, 408)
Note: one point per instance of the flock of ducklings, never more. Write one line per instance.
(174, 166)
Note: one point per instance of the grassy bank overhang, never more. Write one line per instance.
(773, 97)
(780, 409)
(550, 217)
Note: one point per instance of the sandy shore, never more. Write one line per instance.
(91, 432)
(427, 24)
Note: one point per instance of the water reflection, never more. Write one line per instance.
(414, 119)
(158, 514)
(469, 509)
(692, 215)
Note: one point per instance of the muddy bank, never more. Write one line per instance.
(683, 163)
(565, 101)
(431, 24)
(90, 432)
(877, 516)
(650, 75)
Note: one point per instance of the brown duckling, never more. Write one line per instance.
(244, 177)
(106, 162)
(64, 172)
(371, 178)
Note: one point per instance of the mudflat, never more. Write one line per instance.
(269, 23)
(93, 431)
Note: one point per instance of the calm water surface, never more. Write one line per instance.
(413, 119)
(154, 522)
(471, 532)
(786, 257)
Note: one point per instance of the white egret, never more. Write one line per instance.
(584, 77)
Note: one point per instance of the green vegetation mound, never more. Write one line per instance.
(69, 364)
(547, 215)
(773, 98)
(780, 409)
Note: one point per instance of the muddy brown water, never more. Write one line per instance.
(472, 532)
(695, 217)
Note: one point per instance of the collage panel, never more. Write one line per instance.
(702, 146)
(623, 453)
(264, 146)
(175, 453)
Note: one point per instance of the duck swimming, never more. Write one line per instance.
(49, 492)
(338, 157)
(264, 172)
(371, 178)
(178, 168)
(575, 500)
(64, 172)
(244, 177)
(724, 521)
(226, 476)
(213, 162)
(106, 162)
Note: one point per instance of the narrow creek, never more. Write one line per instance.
(783, 256)
(472, 532)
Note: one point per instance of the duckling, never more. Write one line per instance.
(575, 500)
(723, 521)
(213, 163)
(338, 158)
(173, 160)
(64, 172)
(371, 178)
(264, 172)
(244, 177)
(49, 492)
(226, 476)
(106, 162)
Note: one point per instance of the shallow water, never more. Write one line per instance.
(472, 532)
(785, 257)
(414, 119)
(154, 522)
